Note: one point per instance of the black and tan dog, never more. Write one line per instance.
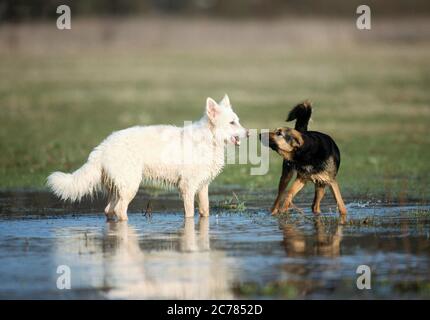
(313, 155)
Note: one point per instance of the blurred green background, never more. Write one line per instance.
(63, 91)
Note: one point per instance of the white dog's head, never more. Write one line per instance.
(225, 121)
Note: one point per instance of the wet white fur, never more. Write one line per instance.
(188, 158)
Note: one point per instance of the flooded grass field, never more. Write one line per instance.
(232, 254)
(62, 93)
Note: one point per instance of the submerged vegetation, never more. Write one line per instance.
(232, 203)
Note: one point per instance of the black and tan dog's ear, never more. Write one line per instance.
(292, 141)
(294, 138)
(295, 143)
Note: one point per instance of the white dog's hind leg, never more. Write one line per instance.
(123, 200)
(109, 210)
(204, 201)
(120, 209)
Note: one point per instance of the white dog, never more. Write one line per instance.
(188, 158)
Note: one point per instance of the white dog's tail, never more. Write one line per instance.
(85, 180)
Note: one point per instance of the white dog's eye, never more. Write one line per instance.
(232, 123)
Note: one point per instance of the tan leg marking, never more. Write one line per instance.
(336, 193)
(319, 194)
(287, 174)
(298, 184)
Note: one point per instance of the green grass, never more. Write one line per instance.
(373, 99)
(232, 203)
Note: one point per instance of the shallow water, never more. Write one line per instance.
(229, 255)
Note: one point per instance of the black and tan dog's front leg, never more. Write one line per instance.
(287, 174)
(297, 185)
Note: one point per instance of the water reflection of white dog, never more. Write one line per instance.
(115, 264)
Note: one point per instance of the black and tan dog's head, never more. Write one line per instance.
(284, 141)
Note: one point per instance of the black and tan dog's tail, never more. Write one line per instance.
(302, 114)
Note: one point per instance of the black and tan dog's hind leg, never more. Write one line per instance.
(336, 193)
(319, 195)
(297, 185)
(287, 174)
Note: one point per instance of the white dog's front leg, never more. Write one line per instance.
(204, 201)
(188, 198)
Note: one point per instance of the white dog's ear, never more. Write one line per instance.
(226, 101)
(212, 108)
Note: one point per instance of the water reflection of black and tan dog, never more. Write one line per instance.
(325, 241)
(305, 250)
(182, 269)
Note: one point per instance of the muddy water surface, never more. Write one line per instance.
(246, 254)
